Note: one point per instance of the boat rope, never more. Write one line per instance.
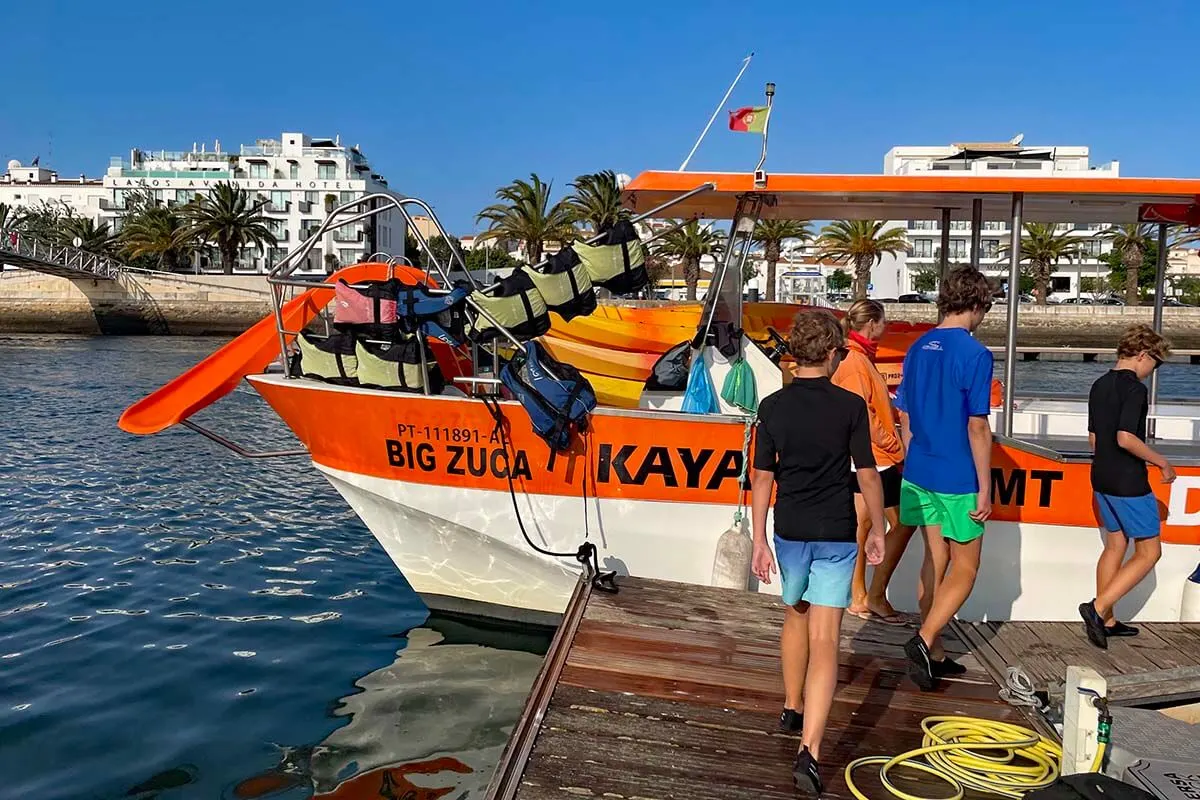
(586, 553)
(1019, 690)
(749, 432)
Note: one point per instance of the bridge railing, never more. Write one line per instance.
(32, 248)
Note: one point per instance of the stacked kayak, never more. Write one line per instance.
(616, 346)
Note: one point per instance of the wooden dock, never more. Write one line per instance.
(670, 690)
(1161, 665)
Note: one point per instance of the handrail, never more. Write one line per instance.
(237, 448)
(507, 777)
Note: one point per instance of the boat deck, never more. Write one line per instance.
(673, 690)
(1160, 665)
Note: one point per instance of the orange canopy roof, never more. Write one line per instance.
(1057, 199)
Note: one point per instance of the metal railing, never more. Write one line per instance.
(31, 251)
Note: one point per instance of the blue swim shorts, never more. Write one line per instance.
(816, 572)
(1136, 517)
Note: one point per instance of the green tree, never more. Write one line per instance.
(160, 236)
(43, 219)
(489, 258)
(1138, 262)
(596, 201)
(93, 238)
(838, 281)
(689, 244)
(1042, 248)
(228, 220)
(771, 234)
(8, 217)
(1131, 242)
(658, 269)
(525, 214)
(925, 279)
(1188, 287)
(861, 243)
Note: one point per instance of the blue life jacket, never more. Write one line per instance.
(556, 405)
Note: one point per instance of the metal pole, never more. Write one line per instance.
(976, 230)
(944, 266)
(1160, 282)
(766, 125)
(745, 63)
(1014, 301)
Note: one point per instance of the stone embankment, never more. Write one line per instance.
(205, 305)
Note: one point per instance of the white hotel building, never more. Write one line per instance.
(297, 176)
(894, 277)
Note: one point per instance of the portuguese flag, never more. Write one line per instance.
(751, 119)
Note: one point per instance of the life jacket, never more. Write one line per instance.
(331, 359)
(397, 366)
(556, 405)
(368, 309)
(516, 304)
(617, 262)
(565, 284)
(439, 314)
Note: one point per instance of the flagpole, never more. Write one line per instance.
(766, 125)
(720, 105)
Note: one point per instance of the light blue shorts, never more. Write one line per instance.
(1136, 517)
(816, 572)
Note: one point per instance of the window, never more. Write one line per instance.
(183, 195)
(1091, 247)
(307, 226)
(989, 248)
(922, 248)
(258, 169)
(347, 257)
(922, 225)
(960, 225)
(311, 197)
(326, 171)
(999, 165)
(275, 226)
(279, 200)
(345, 197)
(995, 226)
(1060, 284)
(958, 248)
(293, 170)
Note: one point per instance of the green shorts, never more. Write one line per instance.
(950, 512)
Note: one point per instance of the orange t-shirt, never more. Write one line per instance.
(857, 374)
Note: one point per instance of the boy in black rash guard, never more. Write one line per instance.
(807, 434)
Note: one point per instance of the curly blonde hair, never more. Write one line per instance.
(1143, 339)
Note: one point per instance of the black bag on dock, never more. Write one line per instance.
(1089, 786)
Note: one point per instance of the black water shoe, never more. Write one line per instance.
(920, 665)
(1120, 629)
(805, 776)
(1093, 624)
(948, 667)
(791, 721)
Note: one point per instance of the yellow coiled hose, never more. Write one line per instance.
(970, 753)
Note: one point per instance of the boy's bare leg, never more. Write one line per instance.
(793, 654)
(894, 546)
(1146, 553)
(858, 584)
(1115, 545)
(933, 571)
(824, 633)
(952, 592)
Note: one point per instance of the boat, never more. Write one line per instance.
(482, 516)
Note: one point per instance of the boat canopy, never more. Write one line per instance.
(924, 196)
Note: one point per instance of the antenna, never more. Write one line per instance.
(1016, 140)
(703, 133)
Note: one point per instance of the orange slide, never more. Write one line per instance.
(251, 352)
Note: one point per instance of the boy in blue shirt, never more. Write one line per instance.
(945, 399)
(1117, 410)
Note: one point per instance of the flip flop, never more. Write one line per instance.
(895, 618)
(863, 615)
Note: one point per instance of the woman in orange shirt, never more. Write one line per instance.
(864, 325)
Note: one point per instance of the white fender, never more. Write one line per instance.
(1189, 608)
(731, 562)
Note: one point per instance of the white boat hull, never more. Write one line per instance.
(466, 544)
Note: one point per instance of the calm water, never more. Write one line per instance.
(176, 622)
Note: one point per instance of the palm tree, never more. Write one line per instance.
(226, 219)
(8, 218)
(160, 234)
(772, 233)
(525, 215)
(861, 242)
(597, 200)
(93, 238)
(690, 243)
(1131, 241)
(1042, 247)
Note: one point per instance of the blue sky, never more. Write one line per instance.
(451, 99)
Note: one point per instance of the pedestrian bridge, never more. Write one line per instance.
(29, 252)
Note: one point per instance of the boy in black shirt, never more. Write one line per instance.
(1127, 508)
(807, 434)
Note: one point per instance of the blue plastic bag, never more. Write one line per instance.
(700, 397)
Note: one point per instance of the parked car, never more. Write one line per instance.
(912, 298)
